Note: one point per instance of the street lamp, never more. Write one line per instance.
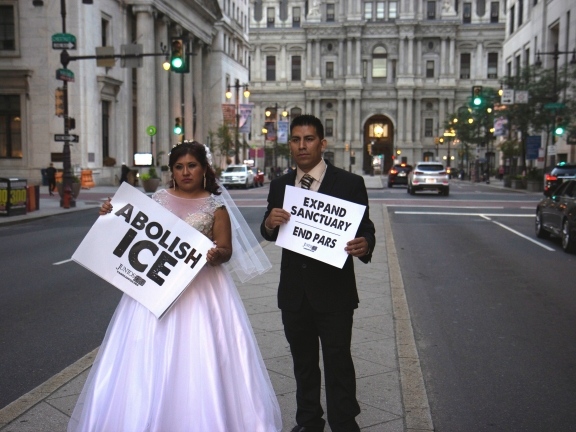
(274, 119)
(237, 86)
(264, 132)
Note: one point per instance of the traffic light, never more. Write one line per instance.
(179, 58)
(178, 128)
(70, 123)
(60, 102)
(346, 147)
(559, 126)
(436, 140)
(477, 96)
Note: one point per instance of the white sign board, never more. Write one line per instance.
(143, 250)
(552, 150)
(521, 96)
(319, 225)
(507, 97)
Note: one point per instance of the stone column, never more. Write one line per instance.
(348, 120)
(401, 123)
(340, 121)
(145, 76)
(349, 57)
(441, 116)
(442, 56)
(163, 138)
(409, 119)
(340, 58)
(452, 54)
(359, 57)
(369, 71)
(419, 58)
(418, 121)
(309, 59)
(308, 106)
(317, 62)
(479, 61)
(283, 64)
(389, 75)
(356, 121)
(411, 56)
(257, 66)
(401, 57)
(197, 67)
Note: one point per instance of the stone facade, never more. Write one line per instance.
(399, 67)
(114, 106)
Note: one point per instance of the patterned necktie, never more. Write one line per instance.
(306, 181)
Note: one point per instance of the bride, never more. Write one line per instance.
(198, 369)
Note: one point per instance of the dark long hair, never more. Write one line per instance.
(197, 150)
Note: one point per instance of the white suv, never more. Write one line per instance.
(429, 176)
(238, 175)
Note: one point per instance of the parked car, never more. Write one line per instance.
(398, 174)
(556, 215)
(559, 173)
(258, 176)
(237, 175)
(429, 176)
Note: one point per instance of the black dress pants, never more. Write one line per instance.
(304, 329)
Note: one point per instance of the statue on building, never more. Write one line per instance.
(448, 9)
(314, 12)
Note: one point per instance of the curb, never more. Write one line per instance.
(414, 396)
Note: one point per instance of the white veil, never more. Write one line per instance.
(248, 258)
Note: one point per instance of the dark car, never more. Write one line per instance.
(559, 173)
(398, 174)
(556, 215)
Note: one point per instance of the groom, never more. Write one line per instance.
(318, 300)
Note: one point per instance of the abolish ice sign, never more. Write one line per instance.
(319, 226)
(143, 250)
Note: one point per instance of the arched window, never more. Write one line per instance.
(295, 112)
(379, 60)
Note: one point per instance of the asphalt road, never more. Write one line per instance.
(493, 312)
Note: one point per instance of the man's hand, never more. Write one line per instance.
(276, 218)
(357, 247)
(106, 207)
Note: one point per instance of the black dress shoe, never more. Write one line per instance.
(306, 429)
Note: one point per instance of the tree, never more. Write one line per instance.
(221, 141)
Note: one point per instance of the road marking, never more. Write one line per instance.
(62, 262)
(441, 206)
(519, 234)
(464, 214)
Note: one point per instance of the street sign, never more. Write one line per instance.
(105, 51)
(507, 97)
(557, 105)
(132, 50)
(63, 41)
(521, 97)
(151, 130)
(66, 138)
(65, 75)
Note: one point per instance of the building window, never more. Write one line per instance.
(296, 68)
(526, 57)
(380, 10)
(10, 127)
(105, 29)
(518, 64)
(392, 10)
(465, 65)
(329, 70)
(492, 65)
(7, 29)
(379, 62)
(431, 10)
(509, 69)
(295, 112)
(467, 13)
(330, 12)
(105, 129)
(430, 69)
(520, 12)
(296, 17)
(428, 127)
(494, 12)
(270, 13)
(368, 11)
(270, 68)
(329, 129)
(512, 19)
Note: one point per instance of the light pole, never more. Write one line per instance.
(269, 118)
(264, 132)
(237, 86)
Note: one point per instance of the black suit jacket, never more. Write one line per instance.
(327, 288)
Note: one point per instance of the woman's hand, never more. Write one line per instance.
(106, 207)
(218, 255)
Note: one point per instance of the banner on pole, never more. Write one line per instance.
(319, 226)
(139, 248)
(229, 115)
(500, 124)
(283, 132)
(533, 143)
(271, 128)
(245, 118)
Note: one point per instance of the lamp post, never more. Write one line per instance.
(264, 132)
(269, 118)
(237, 86)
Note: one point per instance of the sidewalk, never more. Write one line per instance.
(390, 386)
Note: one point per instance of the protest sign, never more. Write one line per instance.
(319, 226)
(143, 250)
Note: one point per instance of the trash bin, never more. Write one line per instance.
(33, 198)
(13, 196)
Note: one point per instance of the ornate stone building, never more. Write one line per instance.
(113, 106)
(382, 75)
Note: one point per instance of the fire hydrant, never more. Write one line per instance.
(67, 197)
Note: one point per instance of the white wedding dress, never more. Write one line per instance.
(198, 369)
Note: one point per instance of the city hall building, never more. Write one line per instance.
(382, 75)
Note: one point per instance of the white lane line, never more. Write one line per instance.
(464, 214)
(442, 206)
(62, 262)
(519, 234)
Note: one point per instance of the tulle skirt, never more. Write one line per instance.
(198, 369)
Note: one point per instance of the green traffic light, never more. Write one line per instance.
(177, 130)
(477, 101)
(559, 130)
(177, 62)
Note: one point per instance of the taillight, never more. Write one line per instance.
(442, 173)
(550, 177)
(418, 173)
(393, 171)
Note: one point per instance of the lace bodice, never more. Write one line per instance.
(196, 212)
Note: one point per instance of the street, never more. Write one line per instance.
(492, 306)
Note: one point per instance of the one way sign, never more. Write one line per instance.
(66, 138)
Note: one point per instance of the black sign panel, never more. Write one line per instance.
(66, 138)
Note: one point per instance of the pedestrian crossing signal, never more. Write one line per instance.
(60, 102)
(178, 129)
